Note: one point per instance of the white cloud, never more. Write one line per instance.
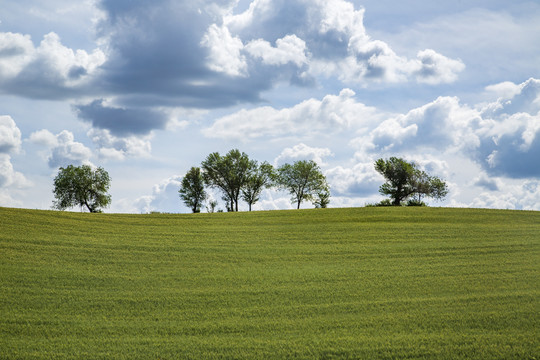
(7, 200)
(374, 60)
(334, 113)
(288, 49)
(360, 180)
(225, 51)
(50, 66)
(63, 149)
(436, 68)
(44, 138)
(340, 16)
(118, 148)
(443, 124)
(523, 196)
(15, 53)
(257, 8)
(164, 196)
(328, 38)
(303, 152)
(503, 136)
(10, 142)
(273, 200)
(10, 135)
(505, 89)
(9, 177)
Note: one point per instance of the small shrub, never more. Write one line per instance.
(414, 202)
(385, 202)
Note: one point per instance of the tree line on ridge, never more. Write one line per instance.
(238, 178)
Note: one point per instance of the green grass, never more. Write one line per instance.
(369, 283)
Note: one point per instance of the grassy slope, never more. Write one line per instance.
(333, 283)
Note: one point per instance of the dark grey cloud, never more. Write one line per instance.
(508, 157)
(121, 121)
(512, 147)
(487, 183)
(157, 58)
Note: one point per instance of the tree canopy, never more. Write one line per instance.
(192, 190)
(405, 180)
(81, 186)
(260, 178)
(228, 173)
(303, 180)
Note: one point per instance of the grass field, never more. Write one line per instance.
(368, 283)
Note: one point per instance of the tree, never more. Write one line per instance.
(192, 190)
(211, 206)
(322, 199)
(81, 186)
(428, 186)
(259, 178)
(229, 174)
(405, 180)
(303, 180)
(398, 174)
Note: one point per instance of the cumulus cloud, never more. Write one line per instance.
(172, 53)
(121, 121)
(435, 68)
(62, 147)
(303, 152)
(10, 135)
(10, 142)
(225, 51)
(8, 176)
(523, 196)
(360, 180)
(118, 148)
(505, 89)
(502, 136)
(333, 113)
(491, 184)
(49, 71)
(206, 54)
(164, 196)
(441, 124)
(334, 35)
(510, 133)
(288, 49)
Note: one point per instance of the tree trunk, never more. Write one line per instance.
(88, 206)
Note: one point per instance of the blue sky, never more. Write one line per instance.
(147, 89)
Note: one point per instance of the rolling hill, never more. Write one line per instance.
(374, 283)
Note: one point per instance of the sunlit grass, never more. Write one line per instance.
(329, 283)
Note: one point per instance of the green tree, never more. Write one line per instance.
(322, 199)
(404, 180)
(211, 206)
(260, 178)
(192, 190)
(398, 174)
(303, 180)
(429, 186)
(229, 174)
(81, 186)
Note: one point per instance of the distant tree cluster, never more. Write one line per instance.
(238, 177)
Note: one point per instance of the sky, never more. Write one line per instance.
(147, 89)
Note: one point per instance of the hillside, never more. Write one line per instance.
(328, 283)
